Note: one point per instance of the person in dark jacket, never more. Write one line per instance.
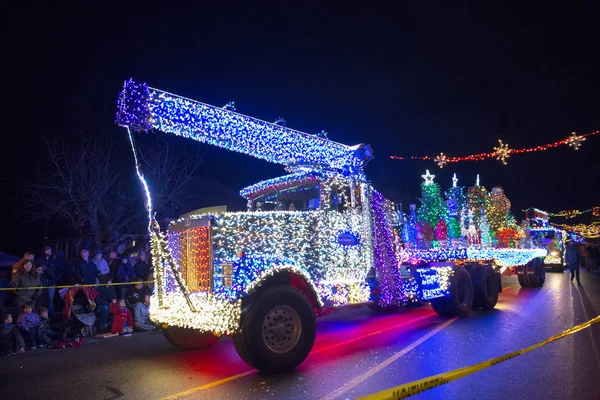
(85, 270)
(106, 295)
(142, 269)
(49, 275)
(26, 282)
(573, 259)
(11, 340)
(136, 294)
(126, 273)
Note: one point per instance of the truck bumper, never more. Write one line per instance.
(209, 313)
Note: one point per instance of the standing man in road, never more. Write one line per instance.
(49, 275)
(573, 259)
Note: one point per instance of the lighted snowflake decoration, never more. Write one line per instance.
(502, 152)
(428, 177)
(575, 141)
(441, 160)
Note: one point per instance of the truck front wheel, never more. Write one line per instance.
(277, 330)
(189, 339)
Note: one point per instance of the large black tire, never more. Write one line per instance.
(535, 272)
(522, 275)
(460, 301)
(542, 272)
(485, 287)
(189, 339)
(277, 330)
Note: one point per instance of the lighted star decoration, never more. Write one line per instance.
(428, 177)
(441, 160)
(454, 180)
(502, 152)
(575, 141)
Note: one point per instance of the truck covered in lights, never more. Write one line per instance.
(540, 234)
(315, 239)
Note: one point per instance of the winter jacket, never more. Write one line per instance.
(25, 279)
(135, 296)
(102, 266)
(51, 272)
(142, 317)
(10, 338)
(122, 317)
(85, 272)
(28, 320)
(142, 270)
(573, 256)
(106, 294)
(126, 273)
(114, 265)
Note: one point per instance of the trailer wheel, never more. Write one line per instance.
(535, 272)
(522, 275)
(460, 300)
(277, 331)
(485, 287)
(189, 339)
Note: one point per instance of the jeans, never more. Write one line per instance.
(51, 291)
(103, 318)
(574, 271)
(32, 337)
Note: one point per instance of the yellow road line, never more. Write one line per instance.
(208, 385)
(360, 379)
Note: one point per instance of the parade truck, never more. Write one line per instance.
(318, 238)
(541, 234)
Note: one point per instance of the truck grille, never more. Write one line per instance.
(191, 246)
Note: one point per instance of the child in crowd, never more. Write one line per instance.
(29, 323)
(136, 294)
(142, 315)
(45, 332)
(123, 322)
(11, 340)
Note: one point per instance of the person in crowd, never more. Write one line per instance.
(573, 259)
(26, 283)
(142, 269)
(29, 323)
(142, 315)
(101, 264)
(46, 332)
(85, 269)
(113, 262)
(136, 294)
(105, 297)
(126, 272)
(122, 322)
(594, 258)
(11, 340)
(49, 275)
(27, 256)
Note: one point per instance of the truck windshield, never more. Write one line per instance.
(292, 198)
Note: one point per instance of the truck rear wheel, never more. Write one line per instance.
(460, 300)
(189, 339)
(485, 287)
(535, 272)
(522, 275)
(277, 331)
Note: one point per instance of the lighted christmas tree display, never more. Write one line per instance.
(484, 229)
(412, 225)
(433, 207)
(477, 200)
(498, 209)
(455, 203)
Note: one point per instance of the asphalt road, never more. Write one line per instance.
(356, 353)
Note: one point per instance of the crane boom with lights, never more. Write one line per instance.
(319, 238)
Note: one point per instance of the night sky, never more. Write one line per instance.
(408, 77)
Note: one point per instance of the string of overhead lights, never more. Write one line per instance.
(588, 231)
(502, 152)
(574, 213)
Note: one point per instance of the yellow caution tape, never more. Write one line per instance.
(72, 286)
(421, 385)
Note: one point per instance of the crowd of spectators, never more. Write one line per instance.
(120, 297)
